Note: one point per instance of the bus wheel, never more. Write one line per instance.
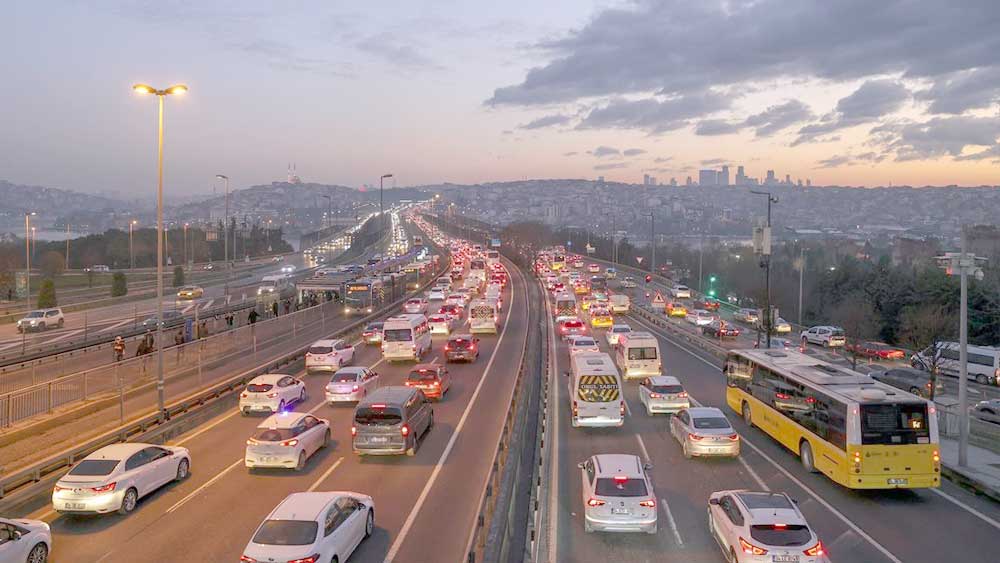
(747, 417)
(806, 453)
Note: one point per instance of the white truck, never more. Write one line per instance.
(619, 303)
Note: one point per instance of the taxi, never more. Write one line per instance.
(601, 317)
(675, 309)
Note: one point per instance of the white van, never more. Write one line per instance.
(620, 303)
(483, 316)
(638, 355)
(492, 257)
(595, 391)
(406, 337)
(983, 362)
(272, 284)
(681, 292)
(493, 295)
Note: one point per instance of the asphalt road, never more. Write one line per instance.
(425, 505)
(869, 526)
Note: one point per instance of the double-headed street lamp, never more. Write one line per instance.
(160, 94)
(381, 210)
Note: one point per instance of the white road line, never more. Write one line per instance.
(753, 474)
(642, 446)
(116, 325)
(185, 310)
(64, 336)
(208, 304)
(447, 450)
(206, 429)
(553, 512)
(204, 486)
(971, 510)
(671, 522)
(325, 474)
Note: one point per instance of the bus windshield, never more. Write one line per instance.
(894, 423)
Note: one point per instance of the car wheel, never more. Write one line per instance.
(326, 439)
(302, 395)
(430, 423)
(62, 322)
(244, 412)
(806, 453)
(649, 411)
(41, 326)
(182, 470)
(982, 379)
(686, 450)
(747, 415)
(38, 554)
(915, 391)
(301, 463)
(281, 406)
(412, 450)
(370, 524)
(732, 556)
(129, 501)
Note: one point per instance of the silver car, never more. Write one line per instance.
(617, 494)
(351, 384)
(663, 394)
(705, 431)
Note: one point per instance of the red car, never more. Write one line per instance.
(707, 304)
(721, 329)
(879, 350)
(572, 326)
(452, 311)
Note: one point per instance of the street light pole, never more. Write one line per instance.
(381, 209)
(225, 230)
(963, 355)
(766, 263)
(131, 252)
(67, 245)
(27, 260)
(185, 245)
(160, 94)
(802, 269)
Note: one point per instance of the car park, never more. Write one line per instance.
(464, 347)
(762, 527)
(391, 421)
(286, 440)
(615, 332)
(312, 527)
(704, 431)
(351, 384)
(663, 394)
(328, 355)
(617, 494)
(115, 477)
(24, 541)
(42, 319)
(271, 392)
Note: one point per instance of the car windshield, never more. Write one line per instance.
(894, 423)
(618, 487)
(94, 467)
(273, 434)
(259, 387)
(398, 335)
(837, 332)
(666, 389)
(286, 532)
(377, 416)
(711, 423)
(786, 535)
(320, 350)
(344, 377)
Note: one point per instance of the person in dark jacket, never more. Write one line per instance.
(252, 317)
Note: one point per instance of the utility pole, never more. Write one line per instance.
(802, 269)
(701, 260)
(652, 245)
(966, 263)
(765, 252)
(67, 245)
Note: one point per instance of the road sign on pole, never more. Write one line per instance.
(638, 259)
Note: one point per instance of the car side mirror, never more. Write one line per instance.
(582, 465)
(361, 506)
(566, 373)
(713, 501)
(15, 535)
(647, 466)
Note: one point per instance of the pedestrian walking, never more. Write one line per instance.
(179, 344)
(252, 317)
(119, 348)
(274, 308)
(288, 306)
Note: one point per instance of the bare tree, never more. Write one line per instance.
(857, 316)
(926, 327)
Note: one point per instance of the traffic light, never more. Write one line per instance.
(711, 279)
(711, 292)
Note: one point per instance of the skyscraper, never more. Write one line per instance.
(724, 176)
(688, 182)
(770, 180)
(708, 178)
(741, 177)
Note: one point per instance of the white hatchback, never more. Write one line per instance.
(271, 392)
(415, 306)
(313, 527)
(700, 317)
(581, 344)
(615, 331)
(440, 324)
(351, 384)
(762, 527)
(328, 355)
(286, 440)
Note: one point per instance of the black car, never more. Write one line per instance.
(461, 347)
(170, 318)
(721, 329)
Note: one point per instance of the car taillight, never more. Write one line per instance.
(694, 437)
(58, 488)
(405, 430)
(244, 395)
(247, 559)
(436, 384)
(290, 443)
(655, 396)
(651, 503)
(682, 394)
(936, 456)
(815, 550)
(354, 431)
(271, 395)
(751, 549)
(311, 559)
(251, 442)
(733, 437)
(782, 396)
(105, 489)
(576, 409)
(594, 502)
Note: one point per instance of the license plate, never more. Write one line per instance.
(75, 506)
(898, 481)
(379, 439)
(619, 511)
(784, 558)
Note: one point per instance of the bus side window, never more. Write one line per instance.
(738, 371)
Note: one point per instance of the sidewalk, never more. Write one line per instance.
(982, 473)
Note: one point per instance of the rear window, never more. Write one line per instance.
(316, 350)
(344, 377)
(273, 434)
(610, 487)
(647, 353)
(667, 389)
(711, 423)
(94, 467)
(789, 535)
(259, 387)
(286, 532)
(460, 343)
(398, 335)
(377, 417)
(621, 329)
(422, 375)
(897, 423)
(584, 342)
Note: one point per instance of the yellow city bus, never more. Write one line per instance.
(861, 433)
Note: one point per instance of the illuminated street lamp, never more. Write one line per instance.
(131, 253)
(176, 89)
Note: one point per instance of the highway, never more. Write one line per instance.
(906, 526)
(425, 504)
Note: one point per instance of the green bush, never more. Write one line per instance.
(47, 295)
(119, 285)
(178, 276)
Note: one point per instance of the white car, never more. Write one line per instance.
(581, 344)
(115, 477)
(286, 440)
(444, 281)
(828, 336)
(704, 431)
(436, 295)
(615, 331)
(287, 269)
(415, 306)
(617, 494)
(328, 355)
(663, 393)
(781, 326)
(351, 384)
(271, 392)
(23, 540)
(762, 527)
(700, 317)
(41, 319)
(312, 528)
(628, 282)
(440, 324)
(456, 299)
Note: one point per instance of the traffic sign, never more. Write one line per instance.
(639, 259)
(659, 301)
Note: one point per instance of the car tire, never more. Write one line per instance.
(915, 391)
(685, 449)
(412, 450)
(62, 322)
(430, 423)
(41, 326)
(982, 379)
(244, 412)
(747, 415)
(587, 527)
(182, 470)
(129, 501)
(281, 406)
(370, 523)
(806, 455)
(302, 396)
(38, 554)
(301, 463)
(326, 439)
(732, 556)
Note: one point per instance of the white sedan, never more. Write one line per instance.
(436, 294)
(115, 477)
(328, 355)
(581, 344)
(615, 331)
(440, 324)
(316, 527)
(271, 392)
(456, 299)
(286, 440)
(762, 527)
(415, 306)
(700, 317)
(24, 540)
(351, 384)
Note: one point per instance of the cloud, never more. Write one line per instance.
(546, 121)
(834, 161)
(963, 90)
(776, 118)
(633, 152)
(992, 153)
(714, 161)
(708, 127)
(661, 159)
(653, 114)
(871, 101)
(570, 153)
(851, 160)
(611, 166)
(603, 151)
(938, 137)
(401, 54)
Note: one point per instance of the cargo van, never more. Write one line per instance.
(565, 305)
(272, 284)
(983, 362)
(390, 421)
(620, 303)
(406, 337)
(638, 355)
(595, 391)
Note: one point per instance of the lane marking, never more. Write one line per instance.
(642, 446)
(671, 522)
(206, 429)
(204, 486)
(756, 477)
(394, 550)
(973, 511)
(116, 325)
(553, 514)
(325, 474)
(185, 310)
(65, 336)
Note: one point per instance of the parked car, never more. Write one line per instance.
(908, 379)
(879, 350)
(286, 440)
(42, 319)
(826, 336)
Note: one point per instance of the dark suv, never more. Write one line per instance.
(461, 347)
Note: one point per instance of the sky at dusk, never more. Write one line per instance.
(849, 92)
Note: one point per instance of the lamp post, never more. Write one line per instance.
(27, 257)
(131, 252)
(185, 245)
(381, 209)
(766, 264)
(329, 210)
(225, 229)
(34, 241)
(67, 245)
(160, 94)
